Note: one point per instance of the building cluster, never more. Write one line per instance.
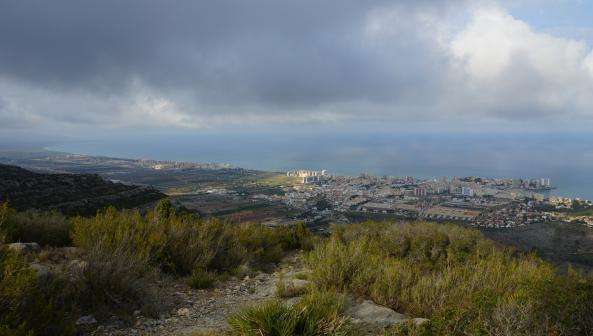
(511, 215)
(485, 202)
(308, 176)
(168, 165)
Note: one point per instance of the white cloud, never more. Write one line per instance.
(494, 39)
(513, 71)
(588, 63)
(28, 106)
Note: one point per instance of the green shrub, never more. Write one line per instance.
(317, 314)
(122, 251)
(46, 229)
(180, 244)
(6, 214)
(412, 329)
(201, 279)
(455, 277)
(110, 281)
(28, 305)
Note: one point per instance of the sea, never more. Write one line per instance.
(565, 158)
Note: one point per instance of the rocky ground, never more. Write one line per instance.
(193, 311)
(180, 310)
(204, 312)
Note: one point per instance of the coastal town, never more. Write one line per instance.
(474, 201)
(321, 198)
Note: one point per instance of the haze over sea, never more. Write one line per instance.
(565, 158)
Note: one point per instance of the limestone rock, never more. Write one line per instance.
(371, 313)
(86, 320)
(42, 270)
(78, 265)
(183, 312)
(420, 321)
(24, 247)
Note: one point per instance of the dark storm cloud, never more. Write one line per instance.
(132, 63)
(264, 51)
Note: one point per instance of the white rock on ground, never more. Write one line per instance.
(42, 270)
(371, 313)
(24, 247)
(86, 320)
(296, 286)
(183, 312)
(420, 320)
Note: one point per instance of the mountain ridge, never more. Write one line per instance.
(71, 194)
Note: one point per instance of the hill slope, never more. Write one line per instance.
(71, 194)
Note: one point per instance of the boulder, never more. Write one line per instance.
(291, 287)
(78, 265)
(86, 320)
(73, 251)
(297, 284)
(420, 320)
(42, 270)
(24, 247)
(373, 314)
(183, 312)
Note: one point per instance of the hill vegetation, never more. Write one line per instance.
(122, 251)
(463, 283)
(459, 280)
(70, 194)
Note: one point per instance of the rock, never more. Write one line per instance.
(42, 270)
(24, 247)
(371, 313)
(292, 301)
(86, 320)
(420, 320)
(292, 287)
(183, 312)
(78, 265)
(298, 283)
(260, 276)
(71, 250)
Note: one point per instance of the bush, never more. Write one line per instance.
(316, 314)
(122, 251)
(46, 229)
(201, 279)
(180, 244)
(28, 305)
(412, 329)
(110, 281)
(6, 214)
(455, 277)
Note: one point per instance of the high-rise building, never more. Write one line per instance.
(420, 192)
(466, 191)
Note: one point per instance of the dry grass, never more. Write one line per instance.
(455, 277)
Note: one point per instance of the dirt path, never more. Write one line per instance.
(197, 311)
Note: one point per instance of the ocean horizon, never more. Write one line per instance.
(566, 159)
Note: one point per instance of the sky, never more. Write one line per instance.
(79, 67)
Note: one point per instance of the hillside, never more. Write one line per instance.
(559, 243)
(71, 194)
